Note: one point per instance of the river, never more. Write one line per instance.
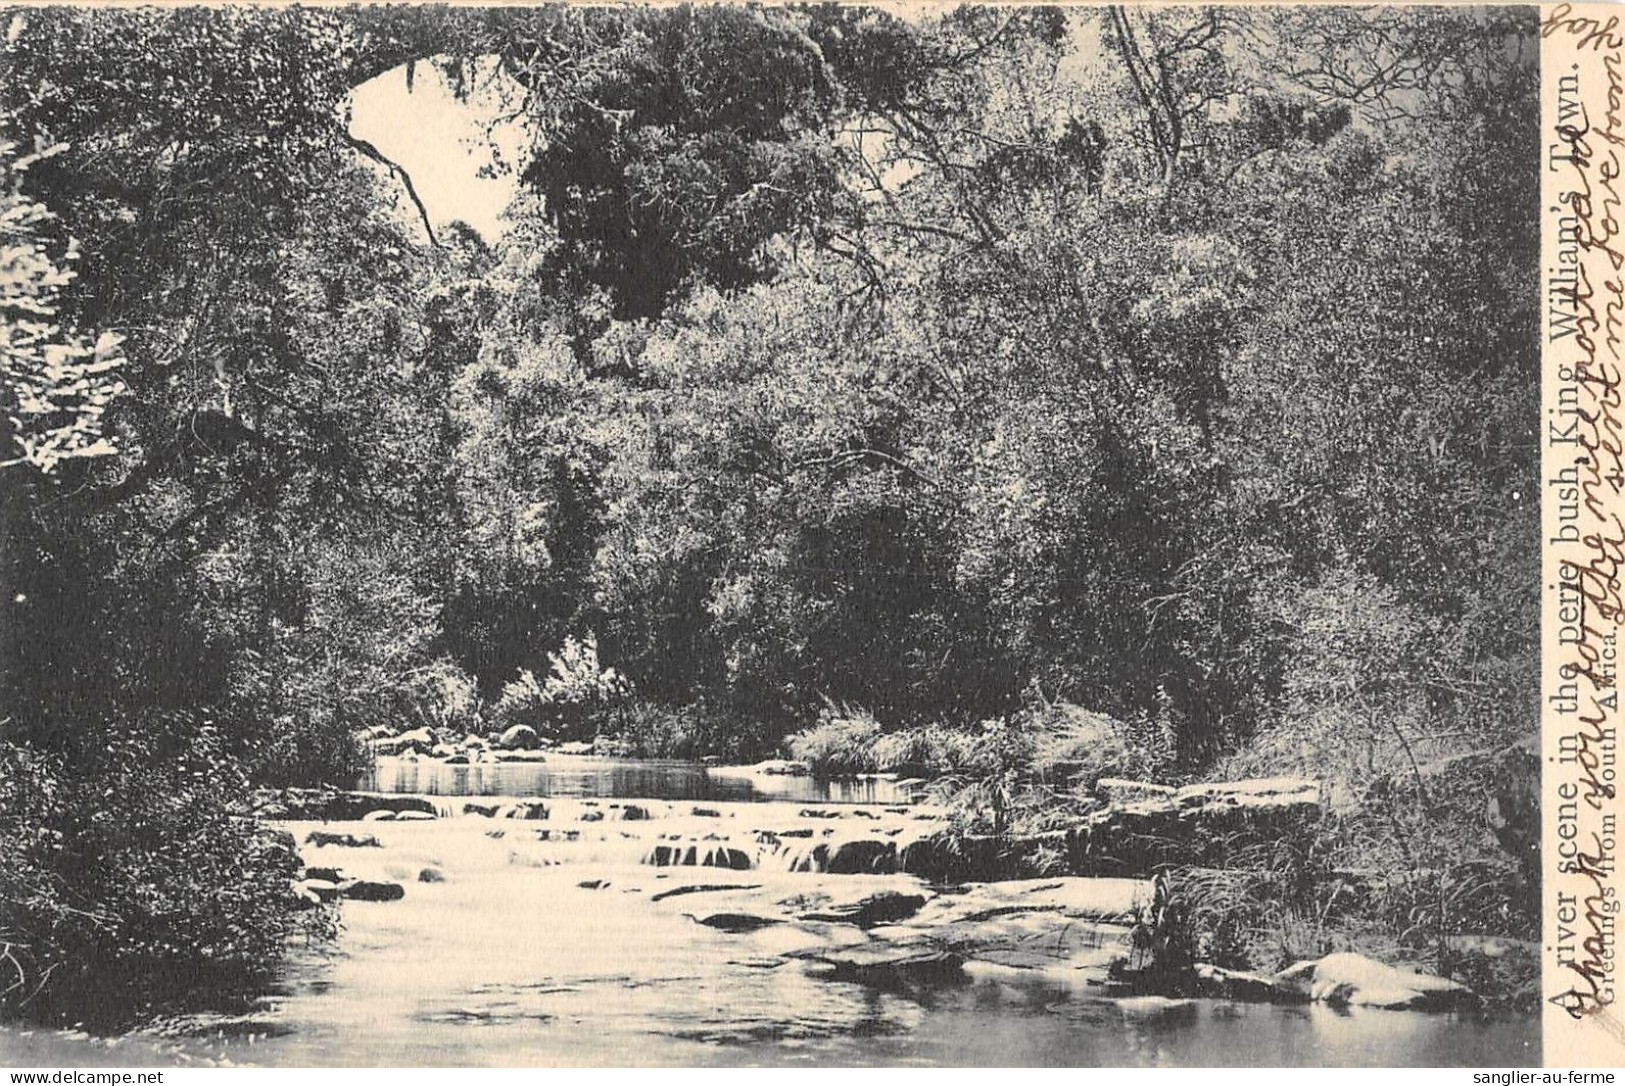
(545, 946)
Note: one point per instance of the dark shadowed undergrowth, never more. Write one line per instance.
(132, 885)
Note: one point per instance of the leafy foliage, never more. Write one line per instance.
(1082, 391)
(58, 384)
(108, 913)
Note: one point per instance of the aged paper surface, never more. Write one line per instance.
(1583, 132)
(896, 535)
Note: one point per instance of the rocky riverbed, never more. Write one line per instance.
(514, 931)
(851, 892)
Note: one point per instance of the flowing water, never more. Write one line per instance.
(556, 942)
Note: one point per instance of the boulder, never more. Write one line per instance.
(885, 962)
(1196, 826)
(1118, 900)
(853, 856)
(365, 890)
(431, 874)
(1212, 982)
(322, 839)
(631, 812)
(883, 907)
(378, 816)
(574, 748)
(1152, 1008)
(419, 740)
(698, 855)
(735, 923)
(705, 888)
(323, 890)
(525, 810)
(1344, 980)
(519, 737)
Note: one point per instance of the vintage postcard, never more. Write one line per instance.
(810, 535)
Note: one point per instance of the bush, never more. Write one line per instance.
(131, 884)
(442, 695)
(841, 742)
(575, 698)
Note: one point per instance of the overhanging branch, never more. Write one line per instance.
(367, 148)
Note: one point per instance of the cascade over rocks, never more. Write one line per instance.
(874, 899)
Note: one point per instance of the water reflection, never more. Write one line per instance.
(578, 775)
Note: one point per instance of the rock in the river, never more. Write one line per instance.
(418, 740)
(884, 907)
(1085, 930)
(323, 890)
(735, 923)
(1354, 980)
(853, 856)
(378, 816)
(365, 890)
(1158, 1008)
(431, 874)
(886, 961)
(701, 854)
(527, 811)
(574, 748)
(1212, 982)
(520, 737)
(321, 838)
(632, 812)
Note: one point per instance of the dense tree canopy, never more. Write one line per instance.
(930, 365)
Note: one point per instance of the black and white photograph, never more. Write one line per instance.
(808, 535)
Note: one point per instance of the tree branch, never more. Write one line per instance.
(367, 148)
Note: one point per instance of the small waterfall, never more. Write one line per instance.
(701, 854)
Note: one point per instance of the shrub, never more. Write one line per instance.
(1072, 744)
(442, 695)
(841, 742)
(131, 884)
(575, 696)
